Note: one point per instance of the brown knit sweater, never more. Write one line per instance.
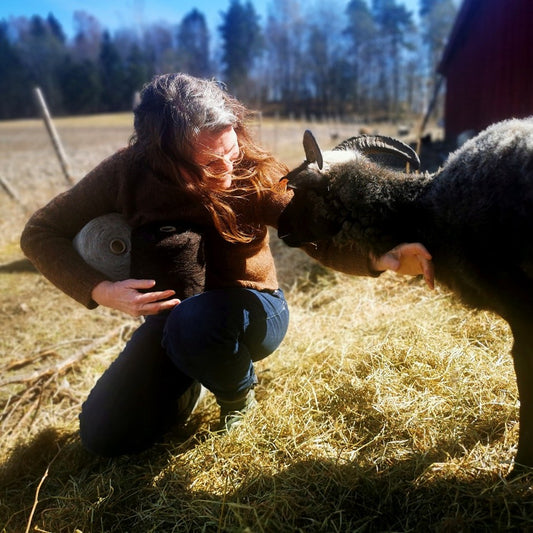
(120, 185)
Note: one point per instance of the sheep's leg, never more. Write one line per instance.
(523, 364)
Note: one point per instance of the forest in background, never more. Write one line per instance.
(365, 60)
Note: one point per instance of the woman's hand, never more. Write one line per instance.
(408, 259)
(125, 296)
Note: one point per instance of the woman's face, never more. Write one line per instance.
(216, 152)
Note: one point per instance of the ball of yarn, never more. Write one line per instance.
(105, 244)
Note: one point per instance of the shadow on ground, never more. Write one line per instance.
(147, 493)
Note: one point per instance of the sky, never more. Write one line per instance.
(114, 14)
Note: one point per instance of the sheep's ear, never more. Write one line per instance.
(313, 154)
(374, 145)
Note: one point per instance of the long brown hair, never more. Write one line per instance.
(174, 109)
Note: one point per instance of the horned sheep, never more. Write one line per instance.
(474, 215)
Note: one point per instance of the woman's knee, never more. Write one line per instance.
(99, 437)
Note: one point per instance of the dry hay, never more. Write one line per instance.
(387, 408)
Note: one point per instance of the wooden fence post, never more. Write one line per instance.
(53, 135)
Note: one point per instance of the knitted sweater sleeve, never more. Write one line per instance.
(47, 236)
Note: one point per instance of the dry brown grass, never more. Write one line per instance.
(387, 408)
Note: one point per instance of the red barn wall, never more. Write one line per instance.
(489, 65)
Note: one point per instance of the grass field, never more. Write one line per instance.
(388, 407)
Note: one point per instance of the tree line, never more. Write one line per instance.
(368, 59)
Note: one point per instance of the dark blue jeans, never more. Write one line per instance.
(216, 336)
(213, 337)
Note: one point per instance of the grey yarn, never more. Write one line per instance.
(105, 244)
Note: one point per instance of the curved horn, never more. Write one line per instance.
(379, 144)
(313, 154)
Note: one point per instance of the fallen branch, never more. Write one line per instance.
(32, 394)
(25, 404)
(63, 365)
(15, 365)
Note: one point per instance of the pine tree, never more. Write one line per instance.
(241, 43)
(193, 45)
